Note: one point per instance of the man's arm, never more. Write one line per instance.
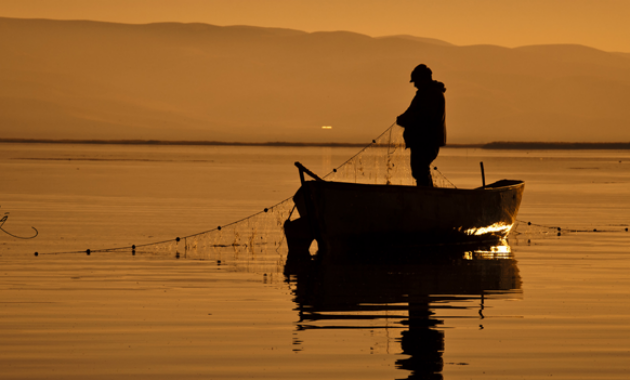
(410, 116)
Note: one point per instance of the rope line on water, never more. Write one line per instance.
(562, 230)
(177, 239)
(4, 219)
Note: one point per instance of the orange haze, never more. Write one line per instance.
(601, 24)
(514, 70)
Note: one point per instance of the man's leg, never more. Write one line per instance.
(421, 158)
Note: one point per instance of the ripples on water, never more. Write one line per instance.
(547, 306)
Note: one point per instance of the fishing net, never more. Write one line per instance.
(384, 162)
(257, 243)
(523, 232)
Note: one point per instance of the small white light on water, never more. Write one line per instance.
(327, 127)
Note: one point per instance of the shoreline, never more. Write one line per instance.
(556, 145)
(512, 145)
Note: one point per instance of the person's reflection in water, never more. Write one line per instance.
(374, 292)
(425, 124)
(423, 344)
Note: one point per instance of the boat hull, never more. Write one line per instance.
(358, 215)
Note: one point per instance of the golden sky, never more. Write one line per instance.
(602, 24)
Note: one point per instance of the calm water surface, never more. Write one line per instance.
(555, 307)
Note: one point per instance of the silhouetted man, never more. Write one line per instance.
(424, 123)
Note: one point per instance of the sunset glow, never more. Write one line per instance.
(598, 23)
(175, 205)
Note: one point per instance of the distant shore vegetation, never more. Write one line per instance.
(555, 145)
(492, 145)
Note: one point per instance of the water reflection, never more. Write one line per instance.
(403, 292)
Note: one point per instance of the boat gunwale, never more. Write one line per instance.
(516, 184)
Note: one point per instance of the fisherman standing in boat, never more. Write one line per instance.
(424, 123)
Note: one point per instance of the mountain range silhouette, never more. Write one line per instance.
(173, 81)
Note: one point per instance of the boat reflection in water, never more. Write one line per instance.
(404, 292)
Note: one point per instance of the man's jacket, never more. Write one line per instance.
(425, 119)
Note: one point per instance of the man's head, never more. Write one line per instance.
(421, 74)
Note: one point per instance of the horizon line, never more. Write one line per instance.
(490, 145)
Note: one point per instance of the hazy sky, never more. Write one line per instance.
(601, 24)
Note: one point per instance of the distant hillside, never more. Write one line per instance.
(172, 81)
(420, 39)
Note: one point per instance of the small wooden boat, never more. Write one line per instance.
(358, 216)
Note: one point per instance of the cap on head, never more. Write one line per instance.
(421, 74)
